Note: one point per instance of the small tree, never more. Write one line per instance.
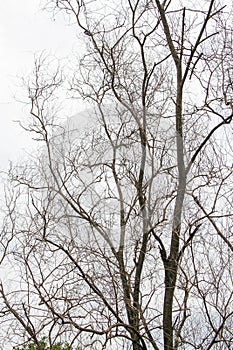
(42, 345)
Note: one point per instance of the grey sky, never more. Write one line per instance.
(24, 30)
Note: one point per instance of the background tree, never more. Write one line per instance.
(123, 228)
(44, 346)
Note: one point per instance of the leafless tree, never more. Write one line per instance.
(122, 229)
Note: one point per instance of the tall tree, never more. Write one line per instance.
(122, 229)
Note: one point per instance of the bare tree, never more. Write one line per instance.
(123, 228)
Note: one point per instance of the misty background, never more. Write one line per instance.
(26, 30)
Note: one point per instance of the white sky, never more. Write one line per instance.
(24, 30)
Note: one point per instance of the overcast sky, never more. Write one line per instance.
(24, 30)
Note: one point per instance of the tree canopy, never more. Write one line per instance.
(119, 230)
